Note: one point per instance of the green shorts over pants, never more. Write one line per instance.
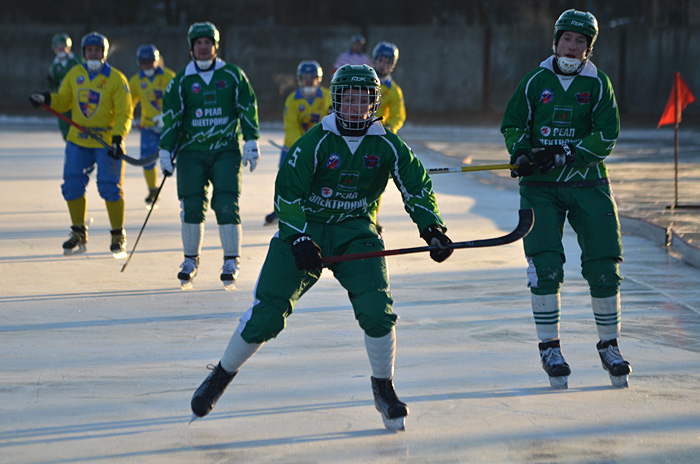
(592, 213)
(281, 284)
(195, 170)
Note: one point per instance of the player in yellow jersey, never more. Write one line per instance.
(303, 109)
(147, 88)
(98, 96)
(392, 110)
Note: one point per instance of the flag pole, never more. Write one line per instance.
(677, 96)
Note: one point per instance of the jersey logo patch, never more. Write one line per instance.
(562, 115)
(545, 131)
(333, 161)
(80, 80)
(348, 180)
(221, 84)
(326, 192)
(370, 161)
(144, 85)
(88, 101)
(583, 98)
(196, 87)
(546, 96)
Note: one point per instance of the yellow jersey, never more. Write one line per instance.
(149, 92)
(99, 101)
(391, 109)
(301, 113)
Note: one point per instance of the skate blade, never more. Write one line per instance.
(560, 383)
(185, 284)
(230, 286)
(193, 418)
(77, 251)
(119, 255)
(150, 207)
(396, 424)
(619, 381)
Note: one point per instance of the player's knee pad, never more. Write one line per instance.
(264, 323)
(545, 272)
(225, 205)
(603, 276)
(374, 314)
(109, 191)
(73, 188)
(194, 209)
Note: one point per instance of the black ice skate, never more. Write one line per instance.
(210, 391)
(151, 199)
(188, 271)
(618, 369)
(393, 410)
(229, 272)
(77, 242)
(118, 245)
(554, 364)
(271, 219)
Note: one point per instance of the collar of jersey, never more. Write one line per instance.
(106, 70)
(298, 95)
(191, 69)
(588, 71)
(328, 124)
(159, 70)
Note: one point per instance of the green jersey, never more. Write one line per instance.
(58, 70)
(331, 178)
(205, 111)
(551, 109)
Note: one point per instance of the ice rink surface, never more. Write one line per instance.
(98, 365)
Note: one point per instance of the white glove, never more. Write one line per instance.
(251, 152)
(158, 120)
(166, 162)
(39, 98)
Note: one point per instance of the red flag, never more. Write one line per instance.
(679, 99)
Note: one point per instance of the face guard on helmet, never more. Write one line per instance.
(384, 58)
(355, 97)
(582, 22)
(61, 39)
(309, 75)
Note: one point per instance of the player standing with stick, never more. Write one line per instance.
(204, 108)
(560, 125)
(98, 96)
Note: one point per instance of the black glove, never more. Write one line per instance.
(36, 103)
(553, 156)
(435, 236)
(307, 254)
(117, 150)
(523, 160)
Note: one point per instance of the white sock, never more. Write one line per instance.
(606, 312)
(238, 352)
(192, 238)
(547, 312)
(230, 235)
(382, 352)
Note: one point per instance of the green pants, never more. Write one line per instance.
(281, 284)
(592, 213)
(195, 170)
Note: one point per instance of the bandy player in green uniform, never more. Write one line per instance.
(206, 107)
(325, 194)
(560, 125)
